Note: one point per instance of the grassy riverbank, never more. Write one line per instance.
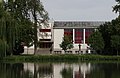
(59, 58)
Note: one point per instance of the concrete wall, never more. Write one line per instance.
(58, 37)
(29, 50)
(45, 35)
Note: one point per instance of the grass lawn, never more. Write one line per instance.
(60, 58)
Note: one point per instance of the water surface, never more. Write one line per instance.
(60, 70)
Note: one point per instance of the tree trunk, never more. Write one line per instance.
(117, 52)
(35, 30)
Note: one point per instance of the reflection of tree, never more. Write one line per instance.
(111, 69)
(45, 70)
(2, 70)
(9, 70)
(28, 74)
(67, 73)
(106, 70)
(97, 73)
(16, 70)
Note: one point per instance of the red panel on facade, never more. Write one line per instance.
(78, 36)
(45, 30)
(68, 32)
(87, 34)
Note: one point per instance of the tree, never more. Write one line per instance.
(8, 29)
(116, 8)
(66, 43)
(107, 30)
(115, 42)
(19, 20)
(39, 15)
(31, 11)
(96, 41)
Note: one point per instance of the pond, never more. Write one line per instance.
(60, 70)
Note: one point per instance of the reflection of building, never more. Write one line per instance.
(55, 70)
(83, 71)
(79, 70)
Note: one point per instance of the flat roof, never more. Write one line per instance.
(77, 24)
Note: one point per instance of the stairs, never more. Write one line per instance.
(43, 51)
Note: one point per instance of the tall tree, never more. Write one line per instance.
(8, 29)
(96, 41)
(107, 30)
(30, 10)
(115, 42)
(39, 16)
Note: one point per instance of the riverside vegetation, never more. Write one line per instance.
(60, 58)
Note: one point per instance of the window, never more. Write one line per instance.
(78, 36)
(45, 39)
(69, 32)
(88, 32)
(45, 30)
(45, 45)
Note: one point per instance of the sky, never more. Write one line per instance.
(80, 10)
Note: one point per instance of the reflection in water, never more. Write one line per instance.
(67, 73)
(59, 70)
(39, 70)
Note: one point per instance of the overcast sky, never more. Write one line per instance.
(81, 10)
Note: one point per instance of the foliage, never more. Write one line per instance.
(96, 41)
(19, 20)
(3, 48)
(66, 43)
(60, 58)
(31, 11)
(8, 29)
(115, 42)
(116, 8)
(108, 30)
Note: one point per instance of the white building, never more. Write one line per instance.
(79, 30)
(50, 36)
(45, 40)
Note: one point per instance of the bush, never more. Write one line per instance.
(3, 48)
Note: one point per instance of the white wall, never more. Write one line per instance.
(29, 50)
(58, 37)
(45, 35)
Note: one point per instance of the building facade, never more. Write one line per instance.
(51, 35)
(78, 30)
(45, 40)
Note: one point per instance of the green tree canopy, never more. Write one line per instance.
(32, 10)
(19, 20)
(107, 30)
(66, 43)
(96, 41)
(115, 42)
